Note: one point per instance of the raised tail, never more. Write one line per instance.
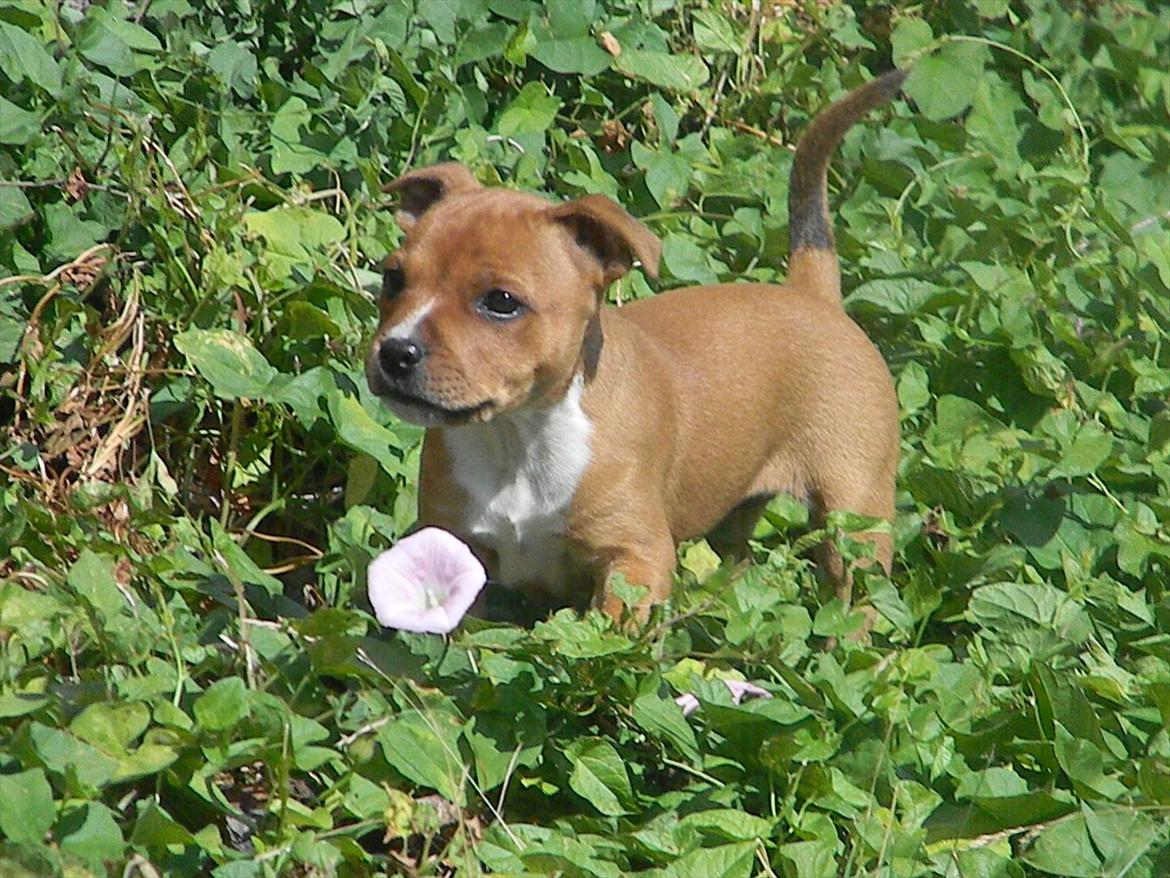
(813, 262)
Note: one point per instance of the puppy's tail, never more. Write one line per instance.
(813, 263)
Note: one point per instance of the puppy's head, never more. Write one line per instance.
(485, 307)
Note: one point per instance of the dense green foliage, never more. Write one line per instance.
(193, 475)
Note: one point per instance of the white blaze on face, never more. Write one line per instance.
(405, 327)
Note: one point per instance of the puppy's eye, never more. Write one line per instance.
(393, 280)
(501, 305)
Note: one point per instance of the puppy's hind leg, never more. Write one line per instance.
(874, 500)
(730, 537)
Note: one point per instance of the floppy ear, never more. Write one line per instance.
(419, 190)
(612, 236)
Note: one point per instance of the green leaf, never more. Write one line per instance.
(294, 231)
(1084, 764)
(22, 56)
(111, 727)
(714, 32)
(558, 854)
(913, 388)
(235, 66)
(92, 577)
(228, 361)
(14, 704)
(666, 118)
(425, 749)
(67, 755)
(14, 210)
(683, 73)
(289, 154)
(360, 432)
(222, 705)
(576, 55)
(69, 233)
(730, 824)
(830, 789)
(943, 84)
(599, 776)
(239, 869)
(531, 112)
(958, 419)
(991, 783)
(303, 393)
(115, 44)
(901, 295)
(909, 37)
(305, 321)
(1091, 448)
(520, 44)
(576, 638)
(571, 19)
(1043, 373)
(147, 760)
(700, 559)
(724, 861)
(482, 43)
(239, 563)
(687, 261)
(1065, 849)
(92, 833)
(17, 125)
(668, 175)
(492, 762)
(992, 121)
(1121, 835)
(11, 333)
(26, 806)
(500, 744)
(810, 859)
(661, 717)
(155, 829)
(1010, 607)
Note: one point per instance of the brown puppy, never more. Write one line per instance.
(568, 441)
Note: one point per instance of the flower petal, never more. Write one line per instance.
(425, 582)
(393, 590)
(741, 688)
(463, 590)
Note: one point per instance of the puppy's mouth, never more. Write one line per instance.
(428, 413)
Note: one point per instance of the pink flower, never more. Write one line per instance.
(738, 688)
(741, 688)
(425, 582)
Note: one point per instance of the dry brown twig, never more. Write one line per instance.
(105, 408)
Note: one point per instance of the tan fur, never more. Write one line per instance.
(703, 401)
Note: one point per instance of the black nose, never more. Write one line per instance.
(398, 357)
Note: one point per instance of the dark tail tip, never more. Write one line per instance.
(808, 210)
(890, 83)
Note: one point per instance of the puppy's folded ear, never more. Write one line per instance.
(419, 190)
(601, 227)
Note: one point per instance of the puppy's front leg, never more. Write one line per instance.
(648, 564)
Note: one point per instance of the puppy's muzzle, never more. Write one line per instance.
(399, 358)
(395, 371)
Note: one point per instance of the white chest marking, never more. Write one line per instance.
(520, 471)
